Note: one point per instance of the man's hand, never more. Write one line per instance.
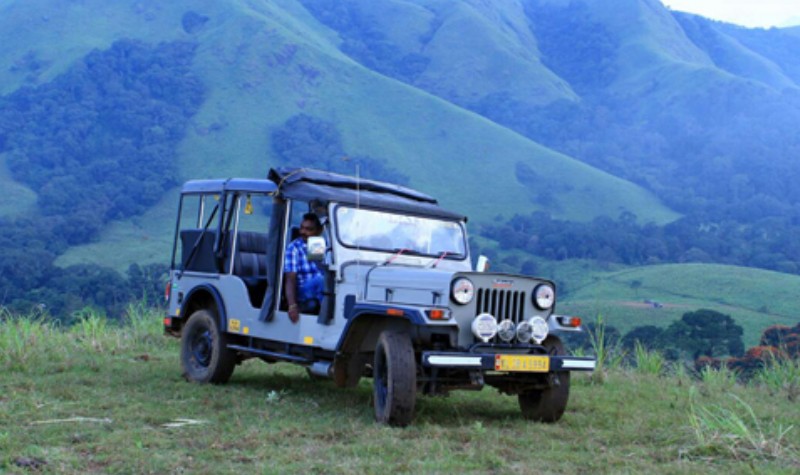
(294, 313)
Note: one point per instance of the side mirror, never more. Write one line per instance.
(316, 249)
(482, 264)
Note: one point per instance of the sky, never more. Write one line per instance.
(750, 13)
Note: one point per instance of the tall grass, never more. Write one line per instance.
(91, 328)
(19, 338)
(608, 353)
(144, 323)
(681, 374)
(738, 432)
(648, 362)
(780, 374)
(26, 341)
(717, 380)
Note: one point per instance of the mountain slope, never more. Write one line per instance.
(579, 108)
(263, 63)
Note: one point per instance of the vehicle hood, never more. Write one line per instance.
(409, 285)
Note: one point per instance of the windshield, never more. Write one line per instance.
(384, 231)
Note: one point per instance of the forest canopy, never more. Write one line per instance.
(97, 143)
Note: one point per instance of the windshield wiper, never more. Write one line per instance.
(397, 253)
(439, 259)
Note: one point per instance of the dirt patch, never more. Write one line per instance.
(649, 305)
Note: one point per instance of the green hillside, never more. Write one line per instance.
(462, 52)
(42, 38)
(728, 52)
(263, 63)
(755, 298)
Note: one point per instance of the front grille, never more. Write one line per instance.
(502, 304)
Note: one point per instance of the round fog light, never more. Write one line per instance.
(524, 332)
(540, 329)
(506, 330)
(484, 327)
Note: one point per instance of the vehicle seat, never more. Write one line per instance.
(202, 259)
(251, 254)
(250, 264)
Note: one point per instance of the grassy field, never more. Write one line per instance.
(97, 398)
(755, 298)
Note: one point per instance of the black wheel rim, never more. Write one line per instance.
(202, 348)
(381, 380)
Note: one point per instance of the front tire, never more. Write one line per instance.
(205, 357)
(394, 379)
(548, 405)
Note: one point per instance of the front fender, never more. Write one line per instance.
(365, 322)
(205, 296)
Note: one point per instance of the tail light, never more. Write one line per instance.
(566, 321)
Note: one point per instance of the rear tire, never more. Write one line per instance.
(205, 357)
(394, 379)
(548, 405)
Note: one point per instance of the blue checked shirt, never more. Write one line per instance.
(296, 261)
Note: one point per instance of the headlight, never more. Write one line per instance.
(540, 329)
(484, 327)
(463, 291)
(524, 332)
(544, 296)
(506, 330)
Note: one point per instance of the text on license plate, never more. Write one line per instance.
(526, 363)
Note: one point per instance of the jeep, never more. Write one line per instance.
(401, 302)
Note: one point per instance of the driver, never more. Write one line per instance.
(303, 279)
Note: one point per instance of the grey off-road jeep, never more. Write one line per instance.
(401, 302)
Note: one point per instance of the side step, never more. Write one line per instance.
(271, 354)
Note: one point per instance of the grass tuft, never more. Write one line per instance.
(144, 323)
(737, 432)
(25, 340)
(780, 375)
(608, 352)
(717, 380)
(90, 327)
(648, 362)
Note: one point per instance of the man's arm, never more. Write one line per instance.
(290, 286)
(290, 268)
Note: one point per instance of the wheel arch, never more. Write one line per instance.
(205, 297)
(358, 342)
(362, 332)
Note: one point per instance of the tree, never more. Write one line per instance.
(706, 333)
(636, 285)
(648, 336)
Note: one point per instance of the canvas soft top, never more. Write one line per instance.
(229, 184)
(307, 184)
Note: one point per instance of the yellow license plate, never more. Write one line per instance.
(522, 363)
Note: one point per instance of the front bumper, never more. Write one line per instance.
(488, 361)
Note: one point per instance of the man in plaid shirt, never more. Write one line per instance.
(303, 279)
